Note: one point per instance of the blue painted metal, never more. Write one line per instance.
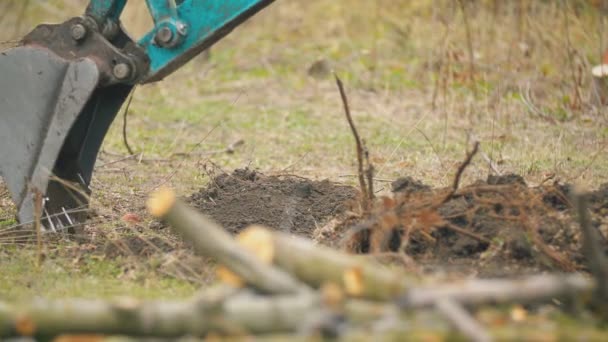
(165, 16)
(102, 10)
(188, 26)
(207, 21)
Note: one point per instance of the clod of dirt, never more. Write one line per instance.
(506, 179)
(286, 203)
(408, 185)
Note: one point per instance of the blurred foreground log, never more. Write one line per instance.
(211, 240)
(592, 250)
(240, 312)
(317, 265)
(318, 292)
(224, 312)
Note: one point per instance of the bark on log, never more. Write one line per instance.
(317, 265)
(593, 252)
(211, 240)
(222, 311)
(477, 292)
(229, 313)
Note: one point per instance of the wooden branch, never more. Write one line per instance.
(223, 311)
(478, 292)
(359, 144)
(316, 265)
(592, 250)
(460, 171)
(211, 240)
(228, 311)
(462, 320)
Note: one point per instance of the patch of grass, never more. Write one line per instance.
(90, 277)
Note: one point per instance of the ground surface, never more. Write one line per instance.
(420, 93)
(286, 203)
(493, 228)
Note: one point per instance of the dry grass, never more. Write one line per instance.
(407, 68)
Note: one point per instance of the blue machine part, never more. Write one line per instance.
(106, 9)
(182, 30)
(205, 22)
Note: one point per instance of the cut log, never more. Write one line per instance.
(223, 311)
(211, 240)
(485, 291)
(599, 88)
(317, 265)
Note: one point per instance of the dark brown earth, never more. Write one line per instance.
(285, 203)
(517, 229)
(509, 228)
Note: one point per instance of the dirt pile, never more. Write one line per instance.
(495, 227)
(287, 203)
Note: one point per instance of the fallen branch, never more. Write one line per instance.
(317, 265)
(220, 311)
(592, 250)
(462, 320)
(478, 292)
(217, 310)
(210, 240)
(227, 311)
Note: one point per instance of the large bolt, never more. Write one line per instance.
(78, 32)
(164, 36)
(121, 71)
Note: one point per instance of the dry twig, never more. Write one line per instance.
(124, 123)
(459, 172)
(359, 144)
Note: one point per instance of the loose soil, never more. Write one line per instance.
(286, 203)
(495, 227)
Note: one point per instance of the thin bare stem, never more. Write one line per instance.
(124, 123)
(359, 144)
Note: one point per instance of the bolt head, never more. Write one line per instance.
(164, 35)
(121, 71)
(78, 32)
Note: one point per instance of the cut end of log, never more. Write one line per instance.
(160, 202)
(256, 240)
(600, 71)
(228, 277)
(80, 338)
(25, 326)
(353, 281)
(126, 303)
(259, 241)
(332, 295)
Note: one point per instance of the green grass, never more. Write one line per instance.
(91, 277)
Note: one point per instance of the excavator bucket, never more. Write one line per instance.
(52, 127)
